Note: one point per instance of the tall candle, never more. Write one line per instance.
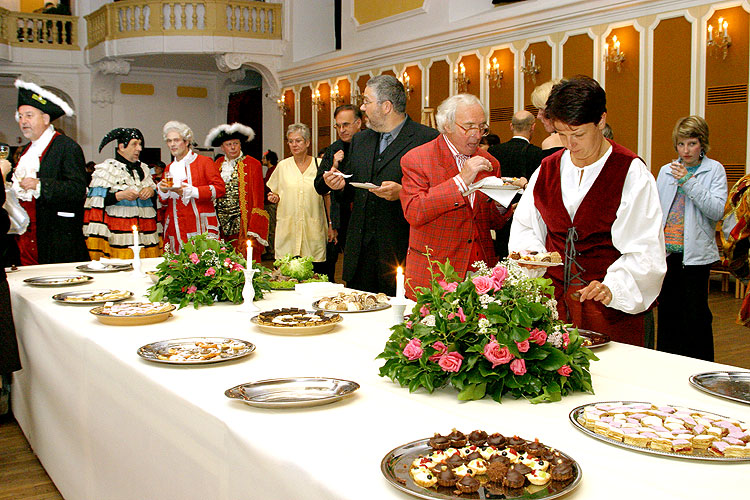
(400, 291)
(136, 238)
(249, 254)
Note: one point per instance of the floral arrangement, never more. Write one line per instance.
(205, 271)
(496, 332)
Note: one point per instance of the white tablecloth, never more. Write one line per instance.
(109, 425)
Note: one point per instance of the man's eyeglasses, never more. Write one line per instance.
(471, 128)
(343, 125)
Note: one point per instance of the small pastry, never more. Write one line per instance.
(468, 484)
(496, 471)
(514, 479)
(535, 448)
(455, 460)
(561, 472)
(445, 475)
(464, 470)
(522, 468)
(478, 438)
(517, 443)
(538, 477)
(478, 465)
(488, 452)
(458, 438)
(439, 442)
(497, 440)
(423, 477)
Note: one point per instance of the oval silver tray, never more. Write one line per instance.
(299, 330)
(58, 280)
(701, 454)
(597, 339)
(734, 386)
(151, 352)
(292, 392)
(397, 462)
(63, 297)
(108, 268)
(379, 307)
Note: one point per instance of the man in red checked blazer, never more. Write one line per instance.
(435, 177)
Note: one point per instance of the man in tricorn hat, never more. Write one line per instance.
(50, 181)
(240, 210)
(119, 198)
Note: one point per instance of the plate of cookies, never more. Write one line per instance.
(666, 430)
(537, 259)
(295, 321)
(196, 350)
(354, 301)
(480, 465)
(133, 313)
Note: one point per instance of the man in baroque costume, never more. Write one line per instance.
(120, 197)
(240, 211)
(50, 181)
(189, 197)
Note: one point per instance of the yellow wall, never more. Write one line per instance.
(31, 5)
(367, 11)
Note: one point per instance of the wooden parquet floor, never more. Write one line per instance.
(22, 477)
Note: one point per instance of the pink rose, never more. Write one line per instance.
(483, 284)
(565, 370)
(227, 261)
(499, 273)
(448, 287)
(538, 336)
(237, 267)
(194, 258)
(440, 348)
(495, 354)
(451, 362)
(210, 272)
(173, 261)
(413, 349)
(566, 340)
(192, 289)
(424, 311)
(408, 324)
(523, 346)
(518, 366)
(461, 315)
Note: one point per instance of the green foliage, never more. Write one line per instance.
(299, 268)
(206, 270)
(464, 331)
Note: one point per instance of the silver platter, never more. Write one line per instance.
(734, 386)
(378, 307)
(396, 464)
(108, 268)
(292, 392)
(152, 351)
(703, 455)
(61, 280)
(597, 339)
(65, 298)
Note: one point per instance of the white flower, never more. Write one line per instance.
(485, 299)
(428, 320)
(481, 267)
(484, 323)
(455, 302)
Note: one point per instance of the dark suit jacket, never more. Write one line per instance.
(62, 172)
(340, 211)
(374, 219)
(517, 157)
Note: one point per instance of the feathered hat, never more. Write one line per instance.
(31, 94)
(225, 132)
(123, 136)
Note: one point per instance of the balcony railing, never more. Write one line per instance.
(44, 31)
(140, 18)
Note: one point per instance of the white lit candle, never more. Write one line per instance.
(726, 28)
(710, 33)
(400, 291)
(427, 101)
(249, 254)
(136, 238)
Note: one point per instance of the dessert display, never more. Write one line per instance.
(196, 350)
(77, 279)
(593, 339)
(93, 296)
(665, 429)
(353, 302)
(295, 321)
(536, 258)
(133, 313)
(479, 465)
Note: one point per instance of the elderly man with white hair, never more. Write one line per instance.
(190, 185)
(436, 177)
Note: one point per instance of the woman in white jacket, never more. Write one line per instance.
(693, 191)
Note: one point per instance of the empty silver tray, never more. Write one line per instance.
(729, 385)
(292, 392)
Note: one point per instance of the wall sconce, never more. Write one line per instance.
(723, 40)
(317, 101)
(337, 98)
(281, 103)
(494, 73)
(532, 68)
(406, 81)
(462, 83)
(357, 97)
(614, 54)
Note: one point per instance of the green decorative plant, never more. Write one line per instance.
(206, 270)
(494, 333)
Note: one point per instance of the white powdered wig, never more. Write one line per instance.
(227, 129)
(185, 132)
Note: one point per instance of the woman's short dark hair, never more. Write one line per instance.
(576, 101)
(272, 157)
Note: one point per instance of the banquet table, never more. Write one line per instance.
(107, 424)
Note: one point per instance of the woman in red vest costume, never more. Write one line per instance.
(596, 204)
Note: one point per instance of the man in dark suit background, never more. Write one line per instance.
(518, 158)
(378, 235)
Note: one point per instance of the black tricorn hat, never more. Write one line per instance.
(33, 95)
(123, 136)
(218, 135)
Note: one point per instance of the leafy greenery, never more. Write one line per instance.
(494, 333)
(206, 270)
(299, 268)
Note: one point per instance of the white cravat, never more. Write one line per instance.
(178, 169)
(28, 165)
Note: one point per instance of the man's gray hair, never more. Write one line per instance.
(446, 112)
(299, 128)
(185, 132)
(388, 88)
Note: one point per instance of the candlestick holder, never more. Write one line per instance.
(137, 260)
(248, 292)
(398, 307)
